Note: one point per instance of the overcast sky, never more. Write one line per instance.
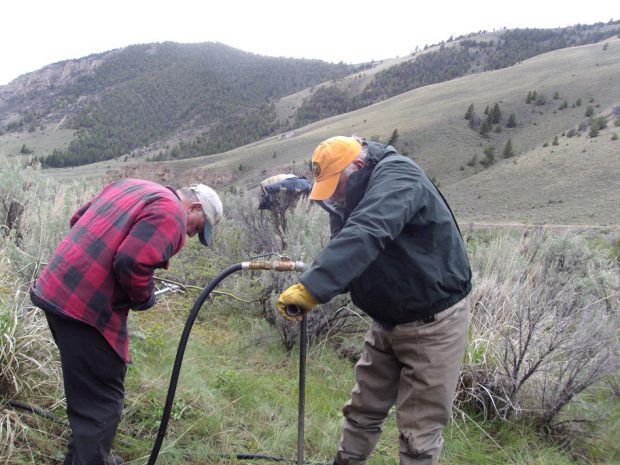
(34, 33)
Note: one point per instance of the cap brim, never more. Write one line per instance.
(205, 235)
(324, 188)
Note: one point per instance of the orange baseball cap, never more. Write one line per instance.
(328, 160)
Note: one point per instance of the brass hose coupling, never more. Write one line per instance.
(275, 265)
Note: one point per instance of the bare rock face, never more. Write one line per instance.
(31, 93)
(55, 75)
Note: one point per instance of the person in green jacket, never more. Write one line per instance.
(397, 249)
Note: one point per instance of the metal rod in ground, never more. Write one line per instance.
(303, 333)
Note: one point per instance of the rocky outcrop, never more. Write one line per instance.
(52, 76)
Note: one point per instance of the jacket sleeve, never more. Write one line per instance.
(155, 237)
(392, 198)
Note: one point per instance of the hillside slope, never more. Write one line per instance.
(434, 132)
(129, 98)
(576, 181)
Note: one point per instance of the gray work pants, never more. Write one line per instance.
(415, 366)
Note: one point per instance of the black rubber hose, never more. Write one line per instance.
(38, 411)
(174, 378)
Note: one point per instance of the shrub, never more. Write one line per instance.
(46, 204)
(541, 100)
(473, 160)
(512, 121)
(593, 131)
(489, 156)
(544, 326)
(247, 231)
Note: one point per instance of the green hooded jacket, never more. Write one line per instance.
(399, 252)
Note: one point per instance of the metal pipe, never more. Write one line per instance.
(301, 405)
(276, 265)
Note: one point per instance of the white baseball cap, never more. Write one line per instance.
(212, 206)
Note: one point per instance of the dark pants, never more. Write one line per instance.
(94, 377)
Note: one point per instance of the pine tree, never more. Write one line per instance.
(393, 138)
(512, 121)
(496, 114)
(555, 141)
(485, 128)
(470, 111)
(508, 150)
(489, 156)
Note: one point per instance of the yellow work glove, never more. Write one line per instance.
(298, 296)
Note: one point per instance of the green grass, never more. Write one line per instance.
(41, 142)
(238, 394)
(238, 386)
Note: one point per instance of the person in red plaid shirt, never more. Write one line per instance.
(101, 269)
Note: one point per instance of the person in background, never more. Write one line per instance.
(101, 269)
(281, 193)
(397, 249)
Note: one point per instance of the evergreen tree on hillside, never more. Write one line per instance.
(512, 121)
(470, 112)
(508, 150)
(485, 128)
(393, 137)
(529, 97)
(495, 115)
(489, 156)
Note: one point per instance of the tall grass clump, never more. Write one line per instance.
(544, 328)
(34, 213)
(29, 367)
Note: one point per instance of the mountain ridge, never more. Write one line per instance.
(576, 89)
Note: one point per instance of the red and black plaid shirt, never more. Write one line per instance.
(104, 266)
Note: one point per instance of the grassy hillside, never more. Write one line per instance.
(173, 101)
(450, 59)
(553, 184)
(541, 184)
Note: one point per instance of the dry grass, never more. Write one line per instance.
(544, 328)
(29, 366)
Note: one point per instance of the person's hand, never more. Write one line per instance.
(299, 301)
